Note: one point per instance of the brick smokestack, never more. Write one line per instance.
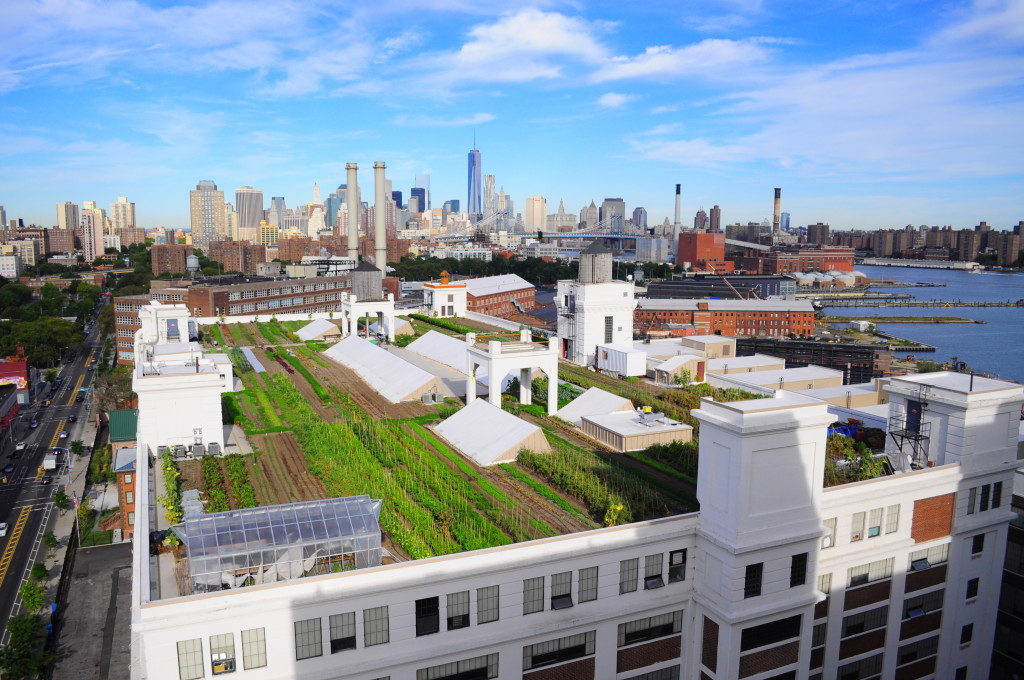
(777, 213)
(354, 205)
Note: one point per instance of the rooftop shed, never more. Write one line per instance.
(318, 330)
(393, 377)
(594, 401)
(488, 435)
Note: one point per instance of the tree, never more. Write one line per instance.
(24, 657)
(61, 500)
(77, 447)
(39, 572)
(50, 375)
(114, 387)
(684, 378)
(33, 596)
(44, 339)
(50, 541)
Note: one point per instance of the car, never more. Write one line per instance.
(72, 418)
(92, 368)
(47, 479)
(34, 424)
(20, 446)
(79, 399)
(8, 469)
(3, 528)
(14, 455)
(46, 403)
(63, 434)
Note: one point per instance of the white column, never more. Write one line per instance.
(525, 386)
(552, 393)
(354, 205)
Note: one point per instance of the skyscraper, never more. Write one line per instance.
(454, 205)
(473, 185)
(423, 182)
(396, 196)
(122, 213)
(3, 217)
(785, 220)
(589, 215)
(277, 209)
(208, 214)
(93, 219)
(535, 212)
(420, 194)
(490, 197)
(249, 204)
(639, 218)
(716, 219)
(613, 215)
(67, 215)
(701, 221)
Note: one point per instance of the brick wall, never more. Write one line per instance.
(709, 645)
(933, 518)
(577, 670)
(862, 643)
(865, 595)
(653, 652)
(916, 580)
(769, 659)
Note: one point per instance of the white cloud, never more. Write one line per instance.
(658, 110)
(418, 120)
(708, 58)
(614, 100)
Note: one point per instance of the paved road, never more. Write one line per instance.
(25, 503)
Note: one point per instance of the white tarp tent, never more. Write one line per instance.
(393, 377)
(320, 328)
(488, 435)
(593, 402)
(444, 349)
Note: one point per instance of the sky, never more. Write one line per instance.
(868, 113)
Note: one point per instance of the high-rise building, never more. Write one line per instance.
(785, 221)
(423, 182)
(589, 216)
(396, 196)
(249, 204)
(93, 220)
(169, 258)
(490, 197)
(122, 213)
(3, 217)
(454, 205)
(233, 230)
(716, 219)
(535, 212)
(67, 215)
(701, 221)
(208, 214)
(613, 215)
(473, 186)
(561, 220)
(640, 218)
(818, 233)
(419, 194)
(275, 215)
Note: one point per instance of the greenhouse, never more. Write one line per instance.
(279, 543)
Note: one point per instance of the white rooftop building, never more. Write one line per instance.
(593, 402)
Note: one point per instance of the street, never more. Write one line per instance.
(26, 504)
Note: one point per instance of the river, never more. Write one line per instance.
(996, 348)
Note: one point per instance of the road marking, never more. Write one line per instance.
(74, 392)
(56, 434)
(12, 542)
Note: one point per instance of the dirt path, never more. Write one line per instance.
(191, 475)
(284, 473)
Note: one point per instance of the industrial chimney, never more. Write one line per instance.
(679, 207)
(354, 204)
(380, 237)
(777, 214)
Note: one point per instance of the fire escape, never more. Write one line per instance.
(910, 432)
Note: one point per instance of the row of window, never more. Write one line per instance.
(870, 524)
(753, 578)
(984, 497)
(191, 665)
(284, 290)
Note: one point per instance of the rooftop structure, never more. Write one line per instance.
(488, 435)
(634, 431)
(318, 329)
(394, 378)
(594, 401)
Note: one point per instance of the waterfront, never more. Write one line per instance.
(996, 347)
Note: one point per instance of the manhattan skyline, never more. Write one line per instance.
(867, 116)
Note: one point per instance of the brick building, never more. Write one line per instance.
(793, 260)
(860, 363)
(238, 256)
(294, 248)
(397, 248)
(131, 235)
(126, 313)
(738, 318)
(169, 259)
(703, 252)
(319, 294)
(60, 241)
(123, 424)
(502, 295)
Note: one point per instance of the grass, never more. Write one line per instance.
(215, 331)
(543, 490)
(313, 382)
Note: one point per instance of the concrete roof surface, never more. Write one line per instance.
(628, 424)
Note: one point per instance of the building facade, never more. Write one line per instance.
(319, 294)
(238, 256)
(738, 318)
(169, 259)
(208, 214)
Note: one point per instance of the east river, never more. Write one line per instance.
(996, 347)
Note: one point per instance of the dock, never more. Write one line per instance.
(829, 302)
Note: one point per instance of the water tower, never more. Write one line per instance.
(192, 265)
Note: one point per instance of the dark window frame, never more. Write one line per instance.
(428, 616)
(753, 580)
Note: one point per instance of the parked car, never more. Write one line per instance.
(34, 424)
(63, 434)
(47, 479)
(20, 446)
(72, 418)
(3, 528)
(8, 469)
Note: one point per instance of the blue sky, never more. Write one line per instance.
(869, 113)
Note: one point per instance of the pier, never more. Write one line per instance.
(860, 302)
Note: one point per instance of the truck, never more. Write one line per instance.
(50, 461)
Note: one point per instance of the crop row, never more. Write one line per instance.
(171, 500)
(238, 479)
(301, 368)
(447, 324)
(213, 485)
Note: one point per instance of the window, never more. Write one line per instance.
(128, 478)
(650, 628)
(477, 668)
(966, 633)
(628, 571)
(670, 673)
(308, 643)
(458, 610)
(131, 519)
(533, 595)
(864, 669)
(961, 673)
(190, 659)
(929, 557)
(829, 539)
(798, 570)
(997, 494)
(752, 580)
(677, 566)
(561, 590)
(875, 523)
(769, 633)
(129, 497)
(920, 605)
(487, 604)
(984, 497)
(376, 630)
(918, 650)
(857, 526)
(428, 620)
(222, 653)
(608, 321)
(652, 571)
(558, 651)
(972, 588)
(254, 648)
(825, 583)
(977, 544)
(865, 621)
(818, 635)
(868, 573)
(892, 519)
(588, 584)
(343, 632)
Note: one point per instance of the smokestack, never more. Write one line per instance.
(679, 206)
(777, 214)
(380, 243)
(354, 204)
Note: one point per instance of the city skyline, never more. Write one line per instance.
(572, 102)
